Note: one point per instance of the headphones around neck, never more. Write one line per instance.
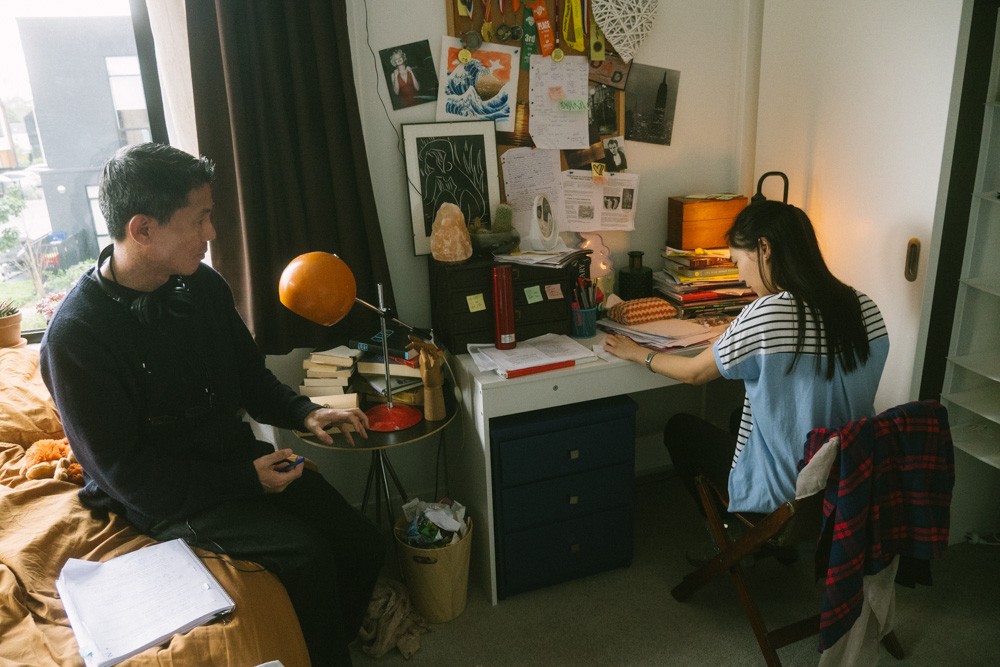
(172, 299)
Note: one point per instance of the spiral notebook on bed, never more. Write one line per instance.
(123, 606)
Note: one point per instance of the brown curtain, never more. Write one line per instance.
(277, 111)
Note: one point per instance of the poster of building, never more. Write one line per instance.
(650, 103)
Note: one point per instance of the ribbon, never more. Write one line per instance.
(546, 39)
(573, 11)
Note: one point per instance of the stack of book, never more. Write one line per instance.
(702, 283)
(407, 386)
(328, 377)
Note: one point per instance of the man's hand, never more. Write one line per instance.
(273, 480)
(318, 420)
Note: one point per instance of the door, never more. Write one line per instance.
(853, 106)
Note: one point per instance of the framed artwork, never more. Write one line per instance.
(450, 162)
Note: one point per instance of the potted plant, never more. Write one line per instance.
(10, 324)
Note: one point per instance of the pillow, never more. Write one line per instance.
(637, 311)
(27, 412)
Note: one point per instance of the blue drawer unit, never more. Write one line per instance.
(562, 492)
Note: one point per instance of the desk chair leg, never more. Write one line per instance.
(730, 555)
(753, 615)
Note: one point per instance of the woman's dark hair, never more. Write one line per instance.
(149, 179)
(797, 267)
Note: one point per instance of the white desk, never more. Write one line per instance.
(487, 395)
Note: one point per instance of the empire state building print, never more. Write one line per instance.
(650, 103)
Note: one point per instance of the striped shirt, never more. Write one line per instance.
(780, 408)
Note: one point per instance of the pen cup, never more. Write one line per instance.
(584, 322)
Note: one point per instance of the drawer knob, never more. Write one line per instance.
(574, 454)
(574, 548)
(574, 500)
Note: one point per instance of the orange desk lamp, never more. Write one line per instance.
(320, 287)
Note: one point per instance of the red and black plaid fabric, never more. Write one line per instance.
(889, 494)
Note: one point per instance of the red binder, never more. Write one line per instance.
(531, 370)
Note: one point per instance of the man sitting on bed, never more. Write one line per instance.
(151, 368)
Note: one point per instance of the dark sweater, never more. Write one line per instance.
(154, 412)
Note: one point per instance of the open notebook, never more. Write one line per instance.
(124, 606)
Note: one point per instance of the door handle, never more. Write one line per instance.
(912, 259)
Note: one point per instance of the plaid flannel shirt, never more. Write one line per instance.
(889, 495)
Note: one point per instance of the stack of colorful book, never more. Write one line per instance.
(407, 385)
(701, 283)
(328, 374)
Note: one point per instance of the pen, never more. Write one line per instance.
(289, 464)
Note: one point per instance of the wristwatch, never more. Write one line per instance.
(649, 360)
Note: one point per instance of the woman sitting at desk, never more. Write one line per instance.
(810, 352)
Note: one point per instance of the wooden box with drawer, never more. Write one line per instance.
(562, 492)
(462, 300)
(701, 223)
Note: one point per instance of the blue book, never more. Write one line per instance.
(398, 340)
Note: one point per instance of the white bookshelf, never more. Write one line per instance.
(971, 390)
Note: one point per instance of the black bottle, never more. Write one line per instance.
(635, 281)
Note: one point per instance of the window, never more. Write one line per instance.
(129, 99)
(63, 111)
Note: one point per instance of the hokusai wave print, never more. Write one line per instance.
(483, 88)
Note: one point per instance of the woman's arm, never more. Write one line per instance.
(698, 369)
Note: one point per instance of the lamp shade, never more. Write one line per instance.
(319, 286)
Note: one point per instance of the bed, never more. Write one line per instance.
(42, 523)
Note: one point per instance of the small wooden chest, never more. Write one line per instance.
(701, 223)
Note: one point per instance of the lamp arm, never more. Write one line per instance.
(425, 334)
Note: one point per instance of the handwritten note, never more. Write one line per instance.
(557, 98)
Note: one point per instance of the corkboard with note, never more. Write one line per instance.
(561, 26)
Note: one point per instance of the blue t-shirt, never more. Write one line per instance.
(781, 408)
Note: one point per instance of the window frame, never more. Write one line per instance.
(146, 53)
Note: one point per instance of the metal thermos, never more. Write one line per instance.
(503, 307)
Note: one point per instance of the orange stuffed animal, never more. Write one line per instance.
(51, 459)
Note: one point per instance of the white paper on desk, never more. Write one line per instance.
(123, 606)
(557, 98)
(669, 333)
(545, 349)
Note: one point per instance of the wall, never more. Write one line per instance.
(854, 102)
(705, 41)
(710, 151)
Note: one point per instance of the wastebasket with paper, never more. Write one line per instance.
(434, 544)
